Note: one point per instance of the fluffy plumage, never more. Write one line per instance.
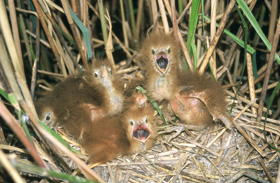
(161, 59)
(195, 99)
(83, 99)
(131, 131)
(198, 100)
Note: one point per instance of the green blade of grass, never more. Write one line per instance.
(254, 23)
(193, 24)
(85, 33)
(266, 114)
(180, 5)
(239, 41)
(193, 46)
(132, 17)
(152, 102)
(102, 19)
(12, 99)
(4, 94)
(48, 129)
(260, 22)
(36, 170)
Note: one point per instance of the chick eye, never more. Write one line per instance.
(168, 51)
(153, 51)
(48, 117)
(110, 71)
(145, 120)
(132, 123)
(96, 74)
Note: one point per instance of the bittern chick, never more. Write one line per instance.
(80, 98)
(104, 71)
(132, 131)
(161, 59)
(198, 100)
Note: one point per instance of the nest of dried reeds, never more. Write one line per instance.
(43, 41)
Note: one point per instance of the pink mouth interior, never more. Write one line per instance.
(162, 61)
(141, 132)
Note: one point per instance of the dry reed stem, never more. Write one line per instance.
(199, 43)
(266, 170)
(203, 147)
(179, 166)
(114, 35)
(154, 10)
(244, 88)
(184, 11)
(25, 37)
(185, 51)
(273, 85)
(2, 136)
(272, 20)
(12, 123)
(50, 74)
(12, 148)
(62, 40)
(228, 75)
(139, 19)
(14, 24)
(109, 45)
(168, 8)
(216, 137)
(46, 30)
(7, 34)
(188, 176)
(268, 70)
(244, 134)
(174, 20)
(8, 70)
(43, 42)
(123, 25)
(34, 68)
(239, 33)
(244, 109)
(163, 16)
(26, 93)
(216, 38)
(10, 169)
(212, 35)
(236, 64)
(251, 80)
(246, 101)
(73, 27)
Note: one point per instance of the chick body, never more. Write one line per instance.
(132, 131)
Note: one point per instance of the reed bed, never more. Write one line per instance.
(43, 41)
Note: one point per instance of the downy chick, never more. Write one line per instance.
(106, 74)
(198, 100)
(132, 131)
(161, 59)
(84, 98)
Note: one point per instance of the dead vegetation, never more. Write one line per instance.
(44, 41)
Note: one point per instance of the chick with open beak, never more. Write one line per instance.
(161, 59)
(140, 130)
(132, 131)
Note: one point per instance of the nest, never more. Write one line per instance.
(49, 43)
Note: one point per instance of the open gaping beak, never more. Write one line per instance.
(141, 132)
(161, 59)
